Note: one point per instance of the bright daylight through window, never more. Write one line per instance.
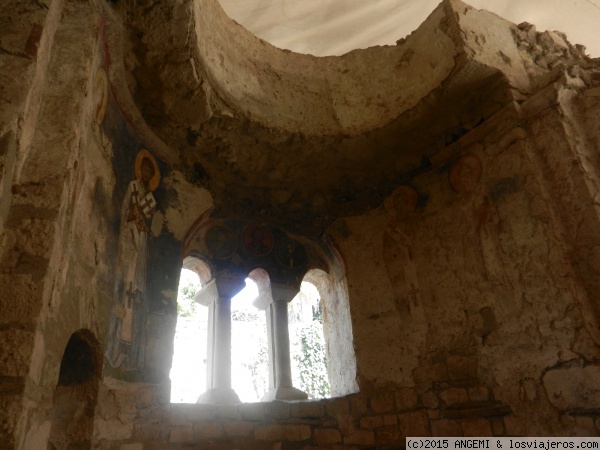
(249, 352)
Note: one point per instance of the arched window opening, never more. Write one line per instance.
(337, 329)
(249, 353)
(74, 400)
(188, 372)
(249, 356)
(267, 341)
(307, 343)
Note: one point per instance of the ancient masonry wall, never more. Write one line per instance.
(477, 326)
(139, 417)
(485, 261)
(48, 60)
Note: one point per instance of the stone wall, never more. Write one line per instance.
(490, 280)
(468, 303)
(139, 417)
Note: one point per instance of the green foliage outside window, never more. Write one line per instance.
(312, 362)
(186, 306)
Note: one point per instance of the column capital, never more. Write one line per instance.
(275, 293)
(229, 283)
(224, 284)
(283, 292)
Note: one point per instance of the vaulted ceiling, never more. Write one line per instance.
(300, 140)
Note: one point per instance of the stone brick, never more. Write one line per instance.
(479, 394)
(390, 436)
(433, 413)
(17, 347)
(476, 427)
(20, 297)
(359, 404)
(498, 426)
(144, 431)
(209, 430)
(584, 426)
(282, 432)
(144, 398)
(406, 398)
(477, 410)
(337, 406)
(425, 376)
(313, 409)
(514, 426)
(345, 423)
(180, 435)
(107, 406)
(238, 428)
(286, 445)
(390, 419)
(444, 427)
(429, 400)
(177, 417)
(383, 402)
(360, 437)
(279, 410)
(200, 414)
(152, 414)
(327, 436)
(453, 396)
(136, 446)
(371, 422)
(414, 423)
(113, 429)
(227, 412)
(252, 411)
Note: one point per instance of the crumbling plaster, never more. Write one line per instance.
(251, 103)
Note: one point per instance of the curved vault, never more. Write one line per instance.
(301, 140)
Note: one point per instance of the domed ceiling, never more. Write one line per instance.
(299, 140)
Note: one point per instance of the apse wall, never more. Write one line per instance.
(480, 272)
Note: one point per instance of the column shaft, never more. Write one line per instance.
(283, 367)
(222, 344)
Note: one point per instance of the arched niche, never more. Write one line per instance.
(76, 393)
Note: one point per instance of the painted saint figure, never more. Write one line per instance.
(128, 324)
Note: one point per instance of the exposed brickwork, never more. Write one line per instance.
(358, 421)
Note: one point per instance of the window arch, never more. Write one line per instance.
(337, 330)
(230, 256)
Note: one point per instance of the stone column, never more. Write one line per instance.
(217, 296)
(281, 364)
(263, 302)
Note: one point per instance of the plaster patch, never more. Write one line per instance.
(574, 387)
(190, 203)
